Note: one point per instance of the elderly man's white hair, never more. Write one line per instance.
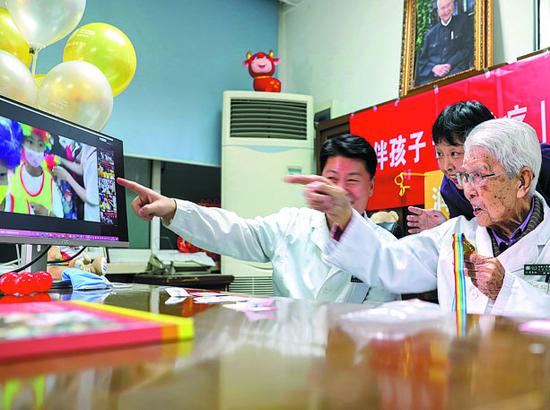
(514, 144)
(439, 1)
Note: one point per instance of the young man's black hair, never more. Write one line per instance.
(350, 146)
(455, 122)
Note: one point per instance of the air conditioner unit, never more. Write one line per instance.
(265, 136)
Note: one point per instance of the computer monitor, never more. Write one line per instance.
(58, 181)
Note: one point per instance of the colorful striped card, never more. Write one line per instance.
(460, 283)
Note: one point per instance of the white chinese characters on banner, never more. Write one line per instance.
(417, 146)
(398, 149)
(519, 113)
(397, 153)
(381, 149)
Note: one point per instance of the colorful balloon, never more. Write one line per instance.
(16, 81)
(25, 283)
(11, 39)
(77, 91)
(107, 48)
(43, 280)
(8, 283)
(43, 22)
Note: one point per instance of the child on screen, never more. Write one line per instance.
(33, 187)
(10, 157)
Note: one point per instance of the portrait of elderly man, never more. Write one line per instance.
(447, 46)
(510, 229)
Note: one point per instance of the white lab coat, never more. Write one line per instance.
(292, 239)
(419, 262)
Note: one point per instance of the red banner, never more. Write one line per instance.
(400, 130)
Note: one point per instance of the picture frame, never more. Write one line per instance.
(434, 54)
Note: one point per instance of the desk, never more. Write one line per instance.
(302, 356)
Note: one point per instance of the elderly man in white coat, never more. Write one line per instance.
(510, 231)
(291, 239)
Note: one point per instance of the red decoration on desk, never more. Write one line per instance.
(8, 283)
(43, 281)
(25, 283)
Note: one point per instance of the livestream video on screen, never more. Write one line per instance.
(55, 176)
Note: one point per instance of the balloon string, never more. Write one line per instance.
(400, 181)
(34, 54)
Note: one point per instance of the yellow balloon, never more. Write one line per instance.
(38, 79)
(11, 39)
(107, 48)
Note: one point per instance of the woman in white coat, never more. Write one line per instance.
(510, 231)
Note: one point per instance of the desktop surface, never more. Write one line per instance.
(304, 355)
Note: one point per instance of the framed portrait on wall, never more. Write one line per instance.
(444, 40)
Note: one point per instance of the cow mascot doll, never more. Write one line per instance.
(261, 67)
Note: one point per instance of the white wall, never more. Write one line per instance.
(513, 29)
(348, 52)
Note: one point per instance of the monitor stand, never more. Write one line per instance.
(29, 252)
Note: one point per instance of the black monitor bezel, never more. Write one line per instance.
(59, 126)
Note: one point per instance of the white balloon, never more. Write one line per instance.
(79, 92)
(43, 22)
(16, 81)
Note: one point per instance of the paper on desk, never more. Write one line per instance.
(177, 295)
(206, 294)
(220, 299)
(174, 300)
(255, 309)
(177, 292)
(253, 305)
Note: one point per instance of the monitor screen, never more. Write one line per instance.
(57, 181)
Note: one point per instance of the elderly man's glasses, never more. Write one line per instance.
(477, 179)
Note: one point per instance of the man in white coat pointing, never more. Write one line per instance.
(293, 238)
(510, 231)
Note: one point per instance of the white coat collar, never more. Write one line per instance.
(320, 234)
(529, 246)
